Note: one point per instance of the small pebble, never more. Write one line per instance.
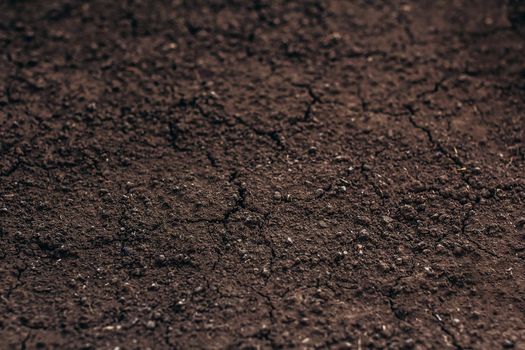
(150, 324)
(92, 107)
(387, 219)
(265, 272)
(323, 224)
(277, 195)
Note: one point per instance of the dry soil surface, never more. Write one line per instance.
(261, 174)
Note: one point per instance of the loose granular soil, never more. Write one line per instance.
(261, 174)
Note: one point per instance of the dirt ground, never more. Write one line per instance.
(261, 174)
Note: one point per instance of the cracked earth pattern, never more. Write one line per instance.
(267, 174)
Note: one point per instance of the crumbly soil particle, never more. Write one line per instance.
(261, 174)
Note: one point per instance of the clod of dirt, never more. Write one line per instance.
(161, 259)
(458, 251)
(520, 223)
(408, 212)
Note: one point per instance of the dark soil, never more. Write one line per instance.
(261, 174)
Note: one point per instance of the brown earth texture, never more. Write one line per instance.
(261, 175)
